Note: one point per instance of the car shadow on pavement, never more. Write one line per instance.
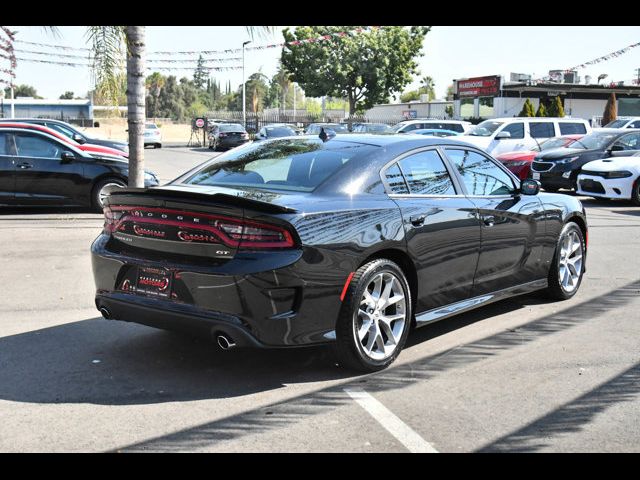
(118, 363)
(284, 413)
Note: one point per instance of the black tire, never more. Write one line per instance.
(157, 145)
(95, 192)
(556, 290)
(635, 193)
(348, 349)
(551, 189)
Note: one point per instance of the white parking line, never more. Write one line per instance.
(396, 427)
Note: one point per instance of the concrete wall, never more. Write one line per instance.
(46, 111)
(433, 109)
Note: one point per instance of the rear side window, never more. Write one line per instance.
(635, 124)
(395, 180)
(515, 129)
(456, 127)
(426, 174)
(567, 128)
(541, 129)
(480, 175)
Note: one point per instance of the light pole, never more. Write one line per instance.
(244, 106)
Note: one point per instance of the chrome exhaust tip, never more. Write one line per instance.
(225, 342)
(105, 313)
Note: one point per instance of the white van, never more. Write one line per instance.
(503, 135)
(460, 126)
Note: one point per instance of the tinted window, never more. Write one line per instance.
(287, 164)
(395, 180)
(635, 124)
(480, 175)
(541, 129)
(456, 127)
(231, 127)
(515, 129)
(39, 147)
(485, 129)
(426, 174)
(279, 131)
(616, 124)
(150, 126)
(3, 144)
(412, 126)
(572, 128)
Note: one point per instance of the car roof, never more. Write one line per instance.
(536, 119)
(389, 140)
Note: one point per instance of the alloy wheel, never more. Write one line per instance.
(570, 261)
(381, 317)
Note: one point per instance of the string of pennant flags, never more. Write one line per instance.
(322, 38)
(160, 67)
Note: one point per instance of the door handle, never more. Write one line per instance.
(24, 166)
(489, 220)
(417, 220)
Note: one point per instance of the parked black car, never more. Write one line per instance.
(227, 135)
(71, 132)
(350, 241)
(37, 169)
(275, 131)
(559, 168)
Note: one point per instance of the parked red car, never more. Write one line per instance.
(520, 162)
(86, 147)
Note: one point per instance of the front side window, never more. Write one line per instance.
(426, 174)
(541, 129)
(616, 124)
(635, 124)
(485, 129)
(3, 144)
(480, 175)
(567, 128)
(59, 128)
(38, 147)
(515, 129)
(630, 142)
(286, 164)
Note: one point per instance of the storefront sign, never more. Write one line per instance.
(479, 86)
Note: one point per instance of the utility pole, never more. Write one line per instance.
(244, 104)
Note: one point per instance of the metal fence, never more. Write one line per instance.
(255, 121)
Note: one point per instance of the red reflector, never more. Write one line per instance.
(346, 286)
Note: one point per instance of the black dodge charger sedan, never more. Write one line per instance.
(350, 241)
(559, 168)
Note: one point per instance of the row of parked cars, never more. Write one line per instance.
(50, 162)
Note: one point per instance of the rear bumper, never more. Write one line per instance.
(171, 316)
(257, 298)
(231, 143)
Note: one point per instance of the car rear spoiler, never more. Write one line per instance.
(158, 195)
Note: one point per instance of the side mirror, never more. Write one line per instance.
(79, 138)
(530, 187)
(502, 135)
(616, 148)
(67, 157)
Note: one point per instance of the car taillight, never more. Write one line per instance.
(240, 234)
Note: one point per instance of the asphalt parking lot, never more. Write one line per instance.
(523, 375)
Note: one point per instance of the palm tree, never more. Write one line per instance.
(107, 49)
(428, 86)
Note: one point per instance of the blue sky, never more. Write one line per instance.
(450, 52)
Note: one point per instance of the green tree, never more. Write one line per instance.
(527, 109)
(610, 110)
(201, 74)
(68, 95)
(21, 91)
(410, 96)
(555, 108)
(449, 111)
(256, 91)
(365, 68)
(170, 100)
(541, 112)
(428, 87)
(450, 92)
(154, 84)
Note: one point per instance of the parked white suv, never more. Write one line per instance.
(418, 124)
(503, 135)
